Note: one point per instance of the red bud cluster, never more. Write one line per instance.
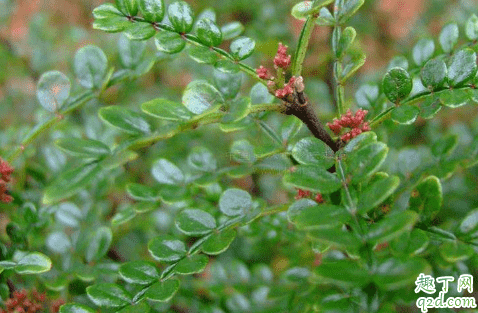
(287, 90)
(5, 171)
(281, 59)
(307, 194)
(34, 302)
(355, 123)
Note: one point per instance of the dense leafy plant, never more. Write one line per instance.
(152, 210)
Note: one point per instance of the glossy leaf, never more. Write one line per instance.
(360, 141)
(181, 17)
(123, 216)
(318, 216)
(140, 31)
(58, 242)
(126, 120)
(166, 248)
(139, 272)
(70, 182)
(232, 30)
(128, 7)
(68, 214)
(163, 291)
(243, 152)
(430, 107)
(218, 242)
(130, 52)
(346, 39)
(90, 65)
(311, 150)
(106, 10)
(367, 95)
(235, 202)
(313, 178)
(112, 24)
(305, 8)
(427, 198)
(434, 74)
(423, 51)
(462, 67)
(202, 159)
(455, 251)
(169, 42)
(397, 84)
(83, 148)
(405, 114)
(448, 37)
(454, 98)
(194, 222)
(469, 225)
(227, 66)
(242, 48)
(75, 308)
(166, 110)
(444, 146)
(377, 192)
(202, 54)
(344, 272)
(199, 96)
(99, 244)
(471, 27)
(351, 62)
(410, 243)
(152, 10)
(33, 263)
(208, 32)
(167, 173)
(393, 225)
(365, 161)
(348, 9)
(395, 273)
(108, 295)
(192, 264)
(53, 89)
(228, 84)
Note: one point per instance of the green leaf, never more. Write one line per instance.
(365, 161)
(430, 107)
(126, 120)
(218, 242)
(278, 163)
(405, 114)
(195, 222)
(166, 110)
(231, 30)
(318, 216)
(166, 248)
(396, 273)
(243, 152)
(398, 61)
(169, 42)
(208, 33)
(454, 98)
(69, 182)
(227, 66)
(377, 192)
(123, 216)
(130, 52)
(202, 54)
(397, 84)
(305, 8)
(367, 95)
(202, 159)
(393, 225)
(58, 242)
(111, 24)
(163, 291)
(33, 263)
(346, 39)
(469, 225)
(90, 65)
(192, 264)
(128, 7)
(108, 295)
(83, 148)
(228, 84)
(360, 141)
(99, 244)
(351, 62)
(462, 67)
(423, 51)
(181, 17)
(242, 48)
(140, 31)
(200, 96)
(448, 37)
(410, 243)
(313, 178)
(325, 18)
(68, 214)
(138, 307)
(235, 202)
(471, 27)
(106, 10)
(139, 272)
(344, 272)
(434, 74)
(75, 308)
(444, 145)
(53, 89)
(238, 110)
(427, 198)
(167, 173)
(142, 192)
(348, 9)
(313, 151)
(455, 251)
(152, 10)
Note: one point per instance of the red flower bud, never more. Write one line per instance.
(281, 59)
(262, 72)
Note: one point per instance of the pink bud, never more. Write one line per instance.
(262, 72)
